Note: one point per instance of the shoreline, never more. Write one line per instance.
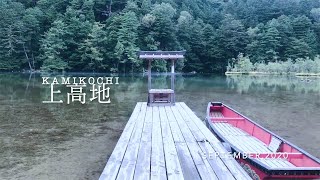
(230, 73)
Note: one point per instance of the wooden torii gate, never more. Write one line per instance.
(161, 96)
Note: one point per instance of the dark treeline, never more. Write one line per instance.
(104, 35)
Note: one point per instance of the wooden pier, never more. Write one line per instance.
(169, 142)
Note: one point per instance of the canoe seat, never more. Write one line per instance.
(217, 114)
(274, 144)
(250, 144)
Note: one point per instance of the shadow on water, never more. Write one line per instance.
(29, 128)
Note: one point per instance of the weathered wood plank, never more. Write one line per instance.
(256, 144)
(173, 165)
(215, 163)
(271, 163)
(112, 167)
(202, 165)
(158, 165)
(142, 169)
(248, 144)
(233, 130)
(238, 145)
(161, 91)
(176, 133)
(241, 143)
(204, 168)
(129, 161)
(216, 114)
(278, 162)
(289, 164)
(228, 129)
(221, 129)
(231, 164)
(248, 147)
(187, 165)
(169, 143)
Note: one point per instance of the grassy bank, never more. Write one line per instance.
(299, 67)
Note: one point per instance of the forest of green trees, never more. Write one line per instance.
(105, 35)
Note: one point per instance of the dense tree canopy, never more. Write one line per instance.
(104, 35)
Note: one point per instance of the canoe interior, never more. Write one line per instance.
(246, 136)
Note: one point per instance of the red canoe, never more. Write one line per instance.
(263, 154)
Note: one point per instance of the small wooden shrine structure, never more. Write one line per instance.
(161, 96)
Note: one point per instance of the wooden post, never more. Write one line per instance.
(149, 75)
(172, 82)
(161, 96)
(150, 99)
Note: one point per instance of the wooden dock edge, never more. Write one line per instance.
(166, 142)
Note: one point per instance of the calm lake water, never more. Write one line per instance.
(56, 140)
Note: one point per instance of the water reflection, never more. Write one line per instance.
(251, 84)
(29, 128)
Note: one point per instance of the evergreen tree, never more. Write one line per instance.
(146, 34)
(270, 43)
(301, 25)
(146, 6)
(127, 36)
(185, 26)
(215, 57)
(165, 31)
(104, 35)
(32, 20)
(12, 31)
(285, 29)
(315, 13)
(52, 9)
(52, 47)
(298, 49)
(113, 55)
(316, 28)
(255, 49)
(311, 39)
(92, 49)
(233, 36)
(78, 26)
(194, 44)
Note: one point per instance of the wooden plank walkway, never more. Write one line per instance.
(169, 142)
